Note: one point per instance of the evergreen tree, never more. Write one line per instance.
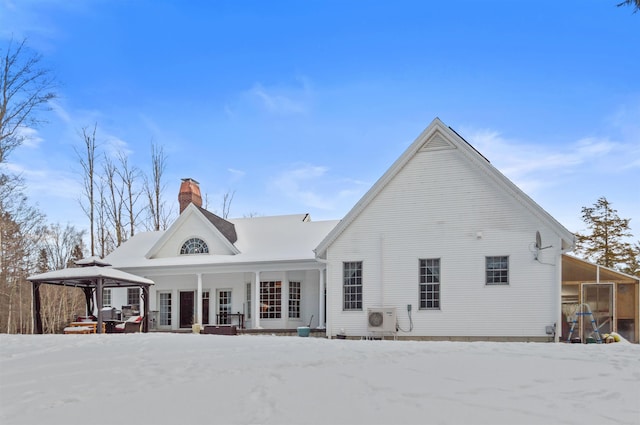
(605, 243)
(633, 263)
(633, 3)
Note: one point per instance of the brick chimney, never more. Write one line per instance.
(189, 193)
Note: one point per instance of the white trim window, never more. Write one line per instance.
(133, 298)
(352, 285)
(294, 300)
(106, 297)
(224, 306)
(429, 271)
(497, 270)
(248, 300)
(271, 300)
(164, 302)
(194, 246)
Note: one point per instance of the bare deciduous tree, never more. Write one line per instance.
(226, 203)
(87, 162)
(60, 247)
(155, 187)
(21, 228)
(114, 200)
(25, 87)
(130, 176)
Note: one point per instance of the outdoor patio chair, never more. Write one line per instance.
(131, 325)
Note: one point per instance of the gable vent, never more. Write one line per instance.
(437, 142)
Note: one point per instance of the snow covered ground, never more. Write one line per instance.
(203, 379)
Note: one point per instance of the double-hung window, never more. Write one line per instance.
(294, 300)
(270, 300)
(497, 270)
(106, 297)
(352, 285)
(429, 271)
(133, 298)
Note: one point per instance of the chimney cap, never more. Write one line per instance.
(189, 179)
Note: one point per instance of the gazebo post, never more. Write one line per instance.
(37, 316)
(88, 297)
(99, 284)
(145, 299)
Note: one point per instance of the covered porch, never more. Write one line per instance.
(272, 296)
(612, 297)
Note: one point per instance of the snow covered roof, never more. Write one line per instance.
(86, 276)
(259, 240)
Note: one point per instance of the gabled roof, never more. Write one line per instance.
(225, 227)
(438, 136)
(260, 240)
(224, 230)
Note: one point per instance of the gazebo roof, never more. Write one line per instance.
(84, 277)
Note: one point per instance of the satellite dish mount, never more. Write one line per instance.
(539, 246)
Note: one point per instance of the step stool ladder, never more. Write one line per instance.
(583, 310)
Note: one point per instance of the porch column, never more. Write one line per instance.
(199, 301)
(257, 307)
(321, 303)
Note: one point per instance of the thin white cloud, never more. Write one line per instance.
(39, 182)
(276, 102)
(279, 100)
(534, 166)
(31, 138)
(60, 111)
(236, 174)
(114, 145)
(311, 186)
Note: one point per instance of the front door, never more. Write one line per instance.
(187, 303)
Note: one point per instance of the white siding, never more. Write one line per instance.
(441, 206)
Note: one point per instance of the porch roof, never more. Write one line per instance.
(576, 270)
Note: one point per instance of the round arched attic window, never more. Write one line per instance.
(194, 246)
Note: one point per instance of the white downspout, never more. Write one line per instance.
(559, 322)
(322, 283)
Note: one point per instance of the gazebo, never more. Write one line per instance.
(92, 276)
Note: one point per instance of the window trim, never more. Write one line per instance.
(438, 283)
(502, 274)
(131, 297)
(165, 315)
(353, 283)
(272, 290)
(106, 297)
(187, 247)
(247, 298)
(295, 299)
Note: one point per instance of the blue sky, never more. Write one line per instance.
(300, 106)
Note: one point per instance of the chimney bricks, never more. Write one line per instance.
(189, 193)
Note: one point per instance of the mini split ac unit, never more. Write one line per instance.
(381, 319)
